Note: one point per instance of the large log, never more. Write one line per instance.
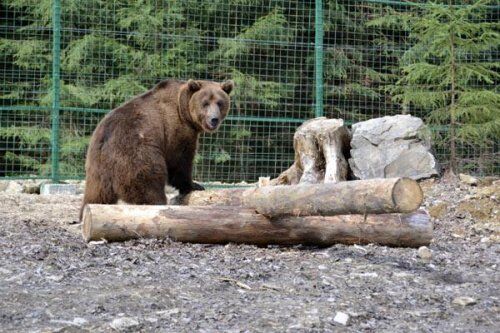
(372, 196)
(223, 224)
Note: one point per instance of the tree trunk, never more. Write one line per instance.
(219, 225)
(372, 196)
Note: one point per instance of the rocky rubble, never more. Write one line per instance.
(33, 186)
(476, 204)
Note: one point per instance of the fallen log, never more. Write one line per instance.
(372, 196)
(223, 224)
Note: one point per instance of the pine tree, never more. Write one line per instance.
(448, 71)
(353, 85)
(112, 51)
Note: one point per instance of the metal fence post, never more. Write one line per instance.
(318, 58)
(56, 87)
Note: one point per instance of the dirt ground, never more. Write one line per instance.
(51, 281)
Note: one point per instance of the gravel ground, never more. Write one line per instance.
(51, 281)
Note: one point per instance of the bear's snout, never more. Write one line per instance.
(214, 121)
(213, 117)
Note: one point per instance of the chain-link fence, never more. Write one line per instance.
(65, 63)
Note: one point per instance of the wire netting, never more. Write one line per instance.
(113, 50)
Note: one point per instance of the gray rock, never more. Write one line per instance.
(32, 186)
(11, 186)
(3, 185)
(464, 301)
(341, 318)
(424, 253)
(78, 321)
(392, 146)
(468, 179)
(124, 323)
(169, 312)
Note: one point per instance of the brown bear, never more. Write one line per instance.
(151, 140)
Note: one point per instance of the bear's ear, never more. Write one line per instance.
(227, 86)
(194, 85)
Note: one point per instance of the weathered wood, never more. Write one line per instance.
(223, 224)
(372, 196)
(214, 197)
(321, 146)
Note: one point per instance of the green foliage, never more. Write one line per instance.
(72, 147)
(239, 133)
(32, 142)
(392, 20)
(350, 72)
(221, 156)
(27, 162)
(265, 32)
(445, 71)
(111, 51)
(251, 89)
(28, 54)
(28, 136)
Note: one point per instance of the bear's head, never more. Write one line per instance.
(205, 104)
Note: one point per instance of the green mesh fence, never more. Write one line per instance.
(65, 63)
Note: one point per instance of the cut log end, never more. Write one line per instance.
(87, 223)
(407, 195)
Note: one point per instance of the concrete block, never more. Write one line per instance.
(58, 189)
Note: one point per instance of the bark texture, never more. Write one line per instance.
(372, 196)
(219, 225)
(321, 151)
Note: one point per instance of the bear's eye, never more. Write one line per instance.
(206, 104)
(220, 104)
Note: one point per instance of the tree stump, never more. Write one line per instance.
(321, 151)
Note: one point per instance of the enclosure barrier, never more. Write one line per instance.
(62, 70)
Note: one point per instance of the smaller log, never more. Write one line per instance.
(220, 225)
(372, 196)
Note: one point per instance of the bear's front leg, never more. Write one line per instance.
(181, 179)
(183, 182)
(197, 187)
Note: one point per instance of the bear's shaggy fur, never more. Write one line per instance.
(151, 140)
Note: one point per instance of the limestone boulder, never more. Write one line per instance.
(392, 146)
